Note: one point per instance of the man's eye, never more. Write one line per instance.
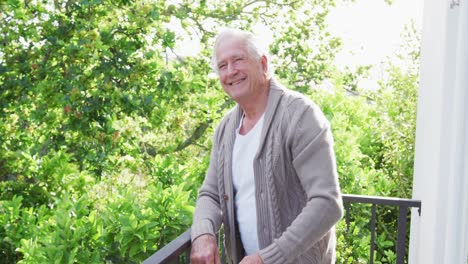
(222, 66)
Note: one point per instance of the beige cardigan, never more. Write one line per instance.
(297, 192)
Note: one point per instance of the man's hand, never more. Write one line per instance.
(204, 250)
(253, 259)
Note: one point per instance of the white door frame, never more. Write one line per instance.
(440, 234)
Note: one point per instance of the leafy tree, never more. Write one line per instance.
(105, 130)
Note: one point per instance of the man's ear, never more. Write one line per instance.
(264, 61)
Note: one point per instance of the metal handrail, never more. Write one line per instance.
(171, 252)
(403, 205)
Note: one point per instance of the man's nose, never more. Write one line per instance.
(232, 70)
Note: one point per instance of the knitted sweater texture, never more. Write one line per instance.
(296, 184)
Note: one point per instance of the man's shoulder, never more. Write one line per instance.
(230, 114)
(300, 110)
(296, 101)
(225, 120)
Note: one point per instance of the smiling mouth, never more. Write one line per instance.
(238, 81)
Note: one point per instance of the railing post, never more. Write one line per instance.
(400, 250)
(372, 245)
(348, 208)
(187, 255)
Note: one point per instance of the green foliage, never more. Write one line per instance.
(374, 135)
(120, 219)
(105, 131)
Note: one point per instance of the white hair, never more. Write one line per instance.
(255, 47)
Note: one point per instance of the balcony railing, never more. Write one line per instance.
(178, 250)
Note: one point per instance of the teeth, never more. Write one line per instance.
(236, 82)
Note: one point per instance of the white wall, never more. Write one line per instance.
(440, 234)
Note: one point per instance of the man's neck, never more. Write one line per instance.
(254, 106)
(253, 109)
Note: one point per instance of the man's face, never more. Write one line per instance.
(241, 76)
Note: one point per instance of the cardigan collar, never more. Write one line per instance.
(275, 93)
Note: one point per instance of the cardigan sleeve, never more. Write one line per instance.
(207, 216)
(311, 144)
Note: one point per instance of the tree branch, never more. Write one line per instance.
(197, 134)
(201, 128)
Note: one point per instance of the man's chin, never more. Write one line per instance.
(234, 92)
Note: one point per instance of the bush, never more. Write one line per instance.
(106, 131)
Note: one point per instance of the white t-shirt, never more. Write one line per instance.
(245, 148)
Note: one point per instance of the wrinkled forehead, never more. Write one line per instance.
(228, 46)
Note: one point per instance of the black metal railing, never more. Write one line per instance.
(178, 250)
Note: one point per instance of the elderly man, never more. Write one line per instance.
(272, 179)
